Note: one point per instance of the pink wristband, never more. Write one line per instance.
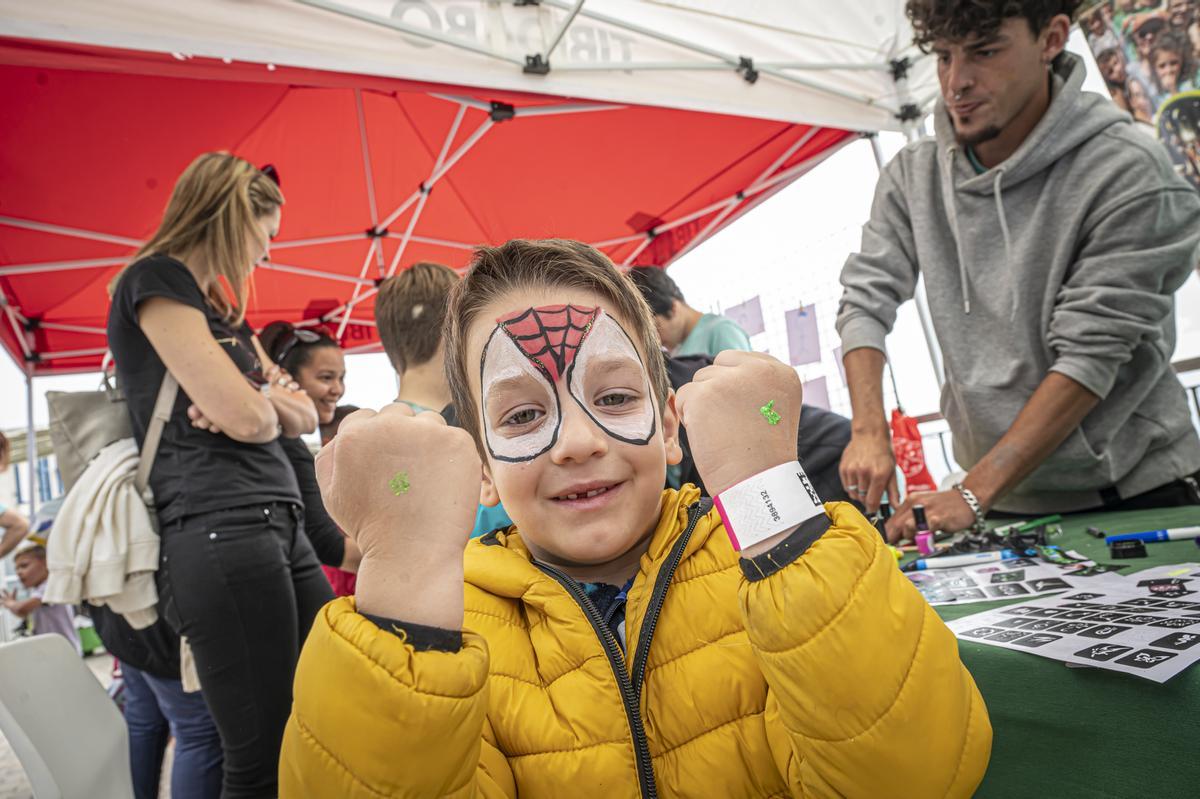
(766, 504)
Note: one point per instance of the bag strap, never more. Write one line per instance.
(158, 420)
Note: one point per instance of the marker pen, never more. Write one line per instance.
(924, 538)
(955, 561)
(1171, 534)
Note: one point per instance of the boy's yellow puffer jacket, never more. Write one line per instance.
(831, 676)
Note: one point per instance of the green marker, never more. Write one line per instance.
(399, 484)
(768, 413)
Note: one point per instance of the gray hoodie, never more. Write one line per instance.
(1064, 258)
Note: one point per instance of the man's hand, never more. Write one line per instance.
(868, 468)
(944, 510)
(728, 408)
(405, 490)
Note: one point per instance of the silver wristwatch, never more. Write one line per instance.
(973, 503)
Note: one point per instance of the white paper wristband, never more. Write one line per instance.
(767, 504)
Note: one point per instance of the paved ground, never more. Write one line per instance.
(13, 783)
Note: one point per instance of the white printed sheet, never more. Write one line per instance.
(1148, 636)
(1008, 579)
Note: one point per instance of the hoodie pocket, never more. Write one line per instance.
(979, 416)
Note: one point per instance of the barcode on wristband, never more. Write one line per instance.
(767, 504)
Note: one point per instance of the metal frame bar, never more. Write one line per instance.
(368, 175)
(792, 173)
(421, 33)
(619, 240)
(362, 274)
(60, 266)
(71, 232)
(15, 321)
(531, 111)
(562, 30)
(440, 170)
(729, 60)
(727, 204)
(65, 354)
(275, 266)
(453, 245)
(338, 238)
(98, 331)
(31, 442)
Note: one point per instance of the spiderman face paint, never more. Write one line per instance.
(536, 358)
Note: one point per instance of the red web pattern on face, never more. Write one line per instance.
(551, 335)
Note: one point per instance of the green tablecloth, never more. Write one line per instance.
(1066, 732)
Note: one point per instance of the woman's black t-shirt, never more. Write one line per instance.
(195, 471)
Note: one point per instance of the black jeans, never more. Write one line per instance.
(244, 586)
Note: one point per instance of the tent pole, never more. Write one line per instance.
(30, 441)
(362, 273)
(60, 266)
(919, 298)
(562, 30)
(368, 173)
(60, 230)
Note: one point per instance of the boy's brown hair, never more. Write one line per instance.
(525, 264)
(410, 311)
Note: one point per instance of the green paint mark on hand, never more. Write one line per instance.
(768, 413)
(399, 484)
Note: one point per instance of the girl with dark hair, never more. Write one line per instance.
(1174, 69)
(312, 357)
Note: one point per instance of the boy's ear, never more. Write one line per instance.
(670, 426)
(488, 495)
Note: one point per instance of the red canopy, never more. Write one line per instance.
(378, 174)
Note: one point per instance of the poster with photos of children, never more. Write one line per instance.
(1148, 52)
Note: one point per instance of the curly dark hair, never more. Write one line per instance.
(958, 20)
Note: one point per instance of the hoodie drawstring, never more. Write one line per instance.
(952, 213)
(1007, 238)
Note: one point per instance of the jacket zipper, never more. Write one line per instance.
(631, 688)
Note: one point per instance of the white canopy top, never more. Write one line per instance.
(817, 62)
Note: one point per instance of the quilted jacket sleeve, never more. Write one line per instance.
(864, 676)
(372, 717)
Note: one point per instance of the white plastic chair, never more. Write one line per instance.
(67, 733)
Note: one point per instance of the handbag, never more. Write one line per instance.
(84, 422)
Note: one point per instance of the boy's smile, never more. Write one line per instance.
(576, 446)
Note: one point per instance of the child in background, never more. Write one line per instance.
(313, 358)
(410, 312)
(620, 640)
(39, 618)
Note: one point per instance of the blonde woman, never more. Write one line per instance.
(237, 576)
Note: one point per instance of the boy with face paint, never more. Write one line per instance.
(615, 639)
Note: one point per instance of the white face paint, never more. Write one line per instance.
(607, 363)
(514, 391)
(532, 352)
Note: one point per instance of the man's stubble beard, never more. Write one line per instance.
(979, 137)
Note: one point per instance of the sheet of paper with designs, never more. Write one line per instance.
(1018, 577)
(1151, 637)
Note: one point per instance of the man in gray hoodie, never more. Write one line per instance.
(1052, 236)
